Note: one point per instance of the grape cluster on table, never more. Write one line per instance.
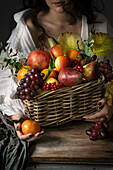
(28, 86)
(99, 129)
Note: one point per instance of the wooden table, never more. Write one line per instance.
(69, 143)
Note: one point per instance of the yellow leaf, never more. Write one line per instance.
(103, 44)
(68, 41)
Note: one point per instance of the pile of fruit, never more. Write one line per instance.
(68, 63)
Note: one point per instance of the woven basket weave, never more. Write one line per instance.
(52, 108)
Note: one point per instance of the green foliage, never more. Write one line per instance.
(10, 60)
(51, 66)
(103, 44)
(86, 48)
(17, 121)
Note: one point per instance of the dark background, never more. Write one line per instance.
(8, 8)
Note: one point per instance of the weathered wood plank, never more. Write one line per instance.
(65, 166)
(69, 143)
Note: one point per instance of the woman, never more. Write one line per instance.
(44, 18)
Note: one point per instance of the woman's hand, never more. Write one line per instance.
(106, 111)
(29, 137)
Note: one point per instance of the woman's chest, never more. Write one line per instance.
(56, 30)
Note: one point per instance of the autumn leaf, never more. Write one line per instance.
(103, 44)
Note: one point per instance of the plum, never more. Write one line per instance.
(70, 77)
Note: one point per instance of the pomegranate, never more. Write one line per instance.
(39, 59)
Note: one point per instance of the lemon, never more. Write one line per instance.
(51, 80)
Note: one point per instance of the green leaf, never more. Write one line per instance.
(9, 59)
(5, 64)
(93, 30)
(52, 42)
(1, 45)
(51, 65)
(53, 61)
(17, 66)
(15, 59)
(10, 66)
(16, 121)
(87, 51)
(48, 71)
(12, 61)
(25, 68)
(2, 58)
(6, 59)
(23, 57)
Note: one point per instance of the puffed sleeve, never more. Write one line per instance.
(9, 103)
(21, 40)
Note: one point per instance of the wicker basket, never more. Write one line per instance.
(52, 108)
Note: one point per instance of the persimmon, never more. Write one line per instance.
(21, 73)
(30, 126)
(52, 74)
(73, 54)
(62, 62)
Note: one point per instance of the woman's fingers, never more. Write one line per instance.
(24, 137)
(36, 136)
(102, 102)
(17, 126)
(93, 117)
(28, 137)
(19, 133)
(106, 111)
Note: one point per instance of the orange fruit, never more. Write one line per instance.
(74, 55)
(30, 126)
(52, 74)
(23, 71)
(62, 62)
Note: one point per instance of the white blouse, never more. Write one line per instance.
(21, 39)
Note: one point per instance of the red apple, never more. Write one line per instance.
(39, 59)
(57, 50)
(62, 62)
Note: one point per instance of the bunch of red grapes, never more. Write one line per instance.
(106, 68)
(28, 86)
(52, 86)
(98, 130)
(78, 65)
(78, 68)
